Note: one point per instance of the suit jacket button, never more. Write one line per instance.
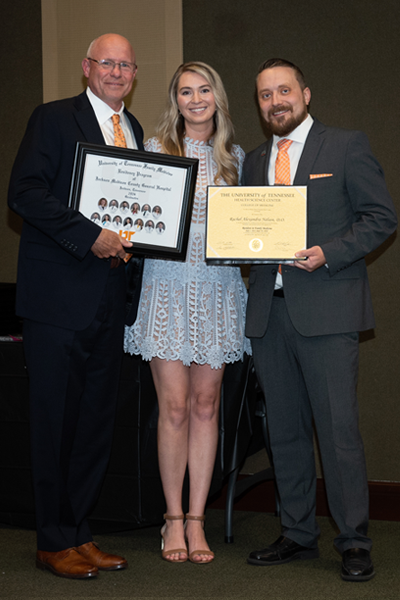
(273, 271)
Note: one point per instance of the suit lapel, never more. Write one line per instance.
(262, 164)
(87, 121)
(311, 150)
(137, 130)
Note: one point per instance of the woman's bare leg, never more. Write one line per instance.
(172, 383)
(205, 391)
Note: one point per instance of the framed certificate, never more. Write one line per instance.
(145, 197)
(259, 225)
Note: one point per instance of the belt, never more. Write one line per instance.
(279, 293)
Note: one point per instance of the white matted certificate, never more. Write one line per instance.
(266, 224)
(145, 197)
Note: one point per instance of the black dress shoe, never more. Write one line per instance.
(280, 552)
(357, 565)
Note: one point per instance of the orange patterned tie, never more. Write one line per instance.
(282, 167)
(119, 138)
(282, 164)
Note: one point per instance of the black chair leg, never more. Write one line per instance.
(235, 488)
(230, 497)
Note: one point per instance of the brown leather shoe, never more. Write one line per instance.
(101, 560)
(66, 563)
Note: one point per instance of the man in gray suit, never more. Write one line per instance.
(304, 321)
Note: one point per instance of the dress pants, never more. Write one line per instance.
(73, 385)
(306, 378)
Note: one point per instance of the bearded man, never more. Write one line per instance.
(304, 319)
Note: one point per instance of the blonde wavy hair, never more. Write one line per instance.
(171, 127)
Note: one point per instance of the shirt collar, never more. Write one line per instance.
(300, 133)
(102, 111)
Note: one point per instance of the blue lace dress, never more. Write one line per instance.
(190, 311)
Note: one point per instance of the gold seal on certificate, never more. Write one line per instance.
(266, 224)
(256, 245)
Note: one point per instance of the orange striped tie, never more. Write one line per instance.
(282, 164)
(282, 167)
(119, 138)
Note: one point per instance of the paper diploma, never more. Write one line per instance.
(265, 224)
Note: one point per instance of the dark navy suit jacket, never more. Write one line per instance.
(58, 275)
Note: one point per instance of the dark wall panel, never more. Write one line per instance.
(349, 52)
(21, 91)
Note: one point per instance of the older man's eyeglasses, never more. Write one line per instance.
(109, 65)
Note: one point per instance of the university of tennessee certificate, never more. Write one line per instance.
(265, 224)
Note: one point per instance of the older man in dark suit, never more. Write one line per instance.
(304, 319)
(71, 293)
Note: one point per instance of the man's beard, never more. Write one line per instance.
(284, 125)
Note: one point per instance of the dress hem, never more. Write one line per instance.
(187, 364)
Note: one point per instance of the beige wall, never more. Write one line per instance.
(154, 27)
(60, 41)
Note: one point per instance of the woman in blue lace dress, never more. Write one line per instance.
(191, 316)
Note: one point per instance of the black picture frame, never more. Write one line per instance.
(146, 197)
(256, 225)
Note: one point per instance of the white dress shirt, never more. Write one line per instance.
(104, 113)
(298, 136)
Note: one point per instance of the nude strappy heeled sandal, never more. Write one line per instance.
(197, 552)
(166, 553)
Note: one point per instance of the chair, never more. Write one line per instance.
(252, 402)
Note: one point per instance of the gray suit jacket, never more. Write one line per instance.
(350, 213)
